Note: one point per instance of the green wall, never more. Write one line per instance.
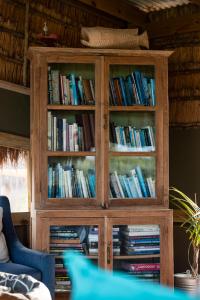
(14, 113)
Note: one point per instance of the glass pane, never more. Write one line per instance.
(14, 184)
(71, 177)
(132, 131)
(71, 131)
(71, 84)
(139, 251)
(81, 239)
(132, 177)
(132, 85)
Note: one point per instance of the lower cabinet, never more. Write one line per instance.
(136, 243)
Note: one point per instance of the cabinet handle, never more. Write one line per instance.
(109, 253)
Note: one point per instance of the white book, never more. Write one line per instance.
(145, 227)
(64, 121)
(117, 130)
(69, 182)
(66, 190)
(141, 233)
(75, 136)
(83, 184)
(49, 131)
(54, 134)
(71, 141)
(119, 184)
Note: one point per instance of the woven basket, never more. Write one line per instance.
(100, 37)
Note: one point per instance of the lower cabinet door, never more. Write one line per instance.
(80, 235)
(141, 247)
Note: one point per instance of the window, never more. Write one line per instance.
(14, 184)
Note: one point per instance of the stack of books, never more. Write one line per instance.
(65, 181)
(135, 89)
(129, 138)
(64, 238)
(147, 271)
(77, 136)
(69, 89)
(141, 239)
(133, 185)
(93, 239)
(116, 240)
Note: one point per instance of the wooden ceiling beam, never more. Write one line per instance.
(123, 10)
(178, 24)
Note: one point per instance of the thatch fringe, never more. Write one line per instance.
(184, 113)
(11, 154)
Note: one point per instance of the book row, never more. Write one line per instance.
(134, 89)
(69, 89)
(66, 136)
(129, 138)
(134, 185)
(65, 181)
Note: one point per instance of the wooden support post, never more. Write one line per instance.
(26, 36)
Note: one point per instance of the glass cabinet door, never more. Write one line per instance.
(71, 146)
(80, 236)
(133, 151)
(135, 249)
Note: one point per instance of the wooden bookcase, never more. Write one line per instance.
(99, 147)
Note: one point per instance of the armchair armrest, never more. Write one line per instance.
(44, 262)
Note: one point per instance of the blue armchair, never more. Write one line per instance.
(23, 260)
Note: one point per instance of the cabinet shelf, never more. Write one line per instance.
(133, 153)
(127, 257)
(67, 153)
(70, 107)
(132, 108)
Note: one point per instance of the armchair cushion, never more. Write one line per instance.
(4, 257)
(18, 283)
(17, 269)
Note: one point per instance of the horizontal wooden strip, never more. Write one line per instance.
(14, 141)
(14, 87)
(21, 218)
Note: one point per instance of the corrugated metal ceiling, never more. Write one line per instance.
(154, 5)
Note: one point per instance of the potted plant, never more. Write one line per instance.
(189, 281)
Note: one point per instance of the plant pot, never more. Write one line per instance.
(185, 282)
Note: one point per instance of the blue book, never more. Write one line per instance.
(142, 181)
(153, 92)
(123, 91)
(142, 138)
(145, 89)
(59, 134)
(129, 90)
(73, 89)
(123, 186)
(136, 75)
(126, 183)
(132, 187)
(113, 92)
(92, 182)
(121, 132)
